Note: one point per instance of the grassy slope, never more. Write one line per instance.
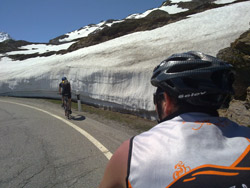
(106, 116)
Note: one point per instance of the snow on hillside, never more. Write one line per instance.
(216, 2)
(40, 48)
(117, 72)
(173, 9)
(224, 1)
(169, 9)
(85, 31)
(177, 1)
(4, 36)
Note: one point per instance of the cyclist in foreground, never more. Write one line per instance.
(191, 146)
(65, 90)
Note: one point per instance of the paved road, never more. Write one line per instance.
(38, 148)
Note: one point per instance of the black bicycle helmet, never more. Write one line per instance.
(64, 78)
(195, 77)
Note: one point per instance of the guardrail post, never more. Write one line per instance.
(78, 100)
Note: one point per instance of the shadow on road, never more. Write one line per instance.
(78, 118)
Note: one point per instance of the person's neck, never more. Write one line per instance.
(182, 110)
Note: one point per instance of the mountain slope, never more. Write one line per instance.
(4, 36)
(168, 12)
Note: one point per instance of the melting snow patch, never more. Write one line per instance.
(224, 1)
(84, 32)
(40, 48)
(174, 9)
(178, 1)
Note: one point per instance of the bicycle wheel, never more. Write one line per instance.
(66, 106)
(68, 115)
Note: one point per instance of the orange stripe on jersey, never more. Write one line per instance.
(241, 157)
(212, 172)
(129, 185)
(191, 179)
(212, 166)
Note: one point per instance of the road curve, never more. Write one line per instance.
(40, 148)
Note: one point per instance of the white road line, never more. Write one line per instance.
(101, 147)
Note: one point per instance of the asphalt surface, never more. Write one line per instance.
(38, 149)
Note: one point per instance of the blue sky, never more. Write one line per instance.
(42, 20)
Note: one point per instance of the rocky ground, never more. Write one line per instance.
(239, 111)
(238, 54)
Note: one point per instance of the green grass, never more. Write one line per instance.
(129, 120)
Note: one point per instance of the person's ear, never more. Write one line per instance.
(167, 105)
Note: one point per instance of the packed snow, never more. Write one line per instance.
(117, 73)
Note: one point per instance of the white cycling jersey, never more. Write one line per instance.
(191, 150)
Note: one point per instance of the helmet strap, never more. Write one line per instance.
(159, 110)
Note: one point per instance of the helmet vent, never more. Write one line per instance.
(191, 83)
(178, 59)
(169, 83)
(188, 67)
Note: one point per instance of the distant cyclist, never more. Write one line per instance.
(65, 90)
(191, 146)
(61, 89)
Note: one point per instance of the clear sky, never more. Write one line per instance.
(42, 20)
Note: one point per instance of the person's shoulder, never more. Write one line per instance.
(122, 151)
(116, 170)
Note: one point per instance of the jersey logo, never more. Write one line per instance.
(191, 95)
(180, 170)
(199, 124)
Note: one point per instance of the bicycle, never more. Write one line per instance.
(66, 107)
